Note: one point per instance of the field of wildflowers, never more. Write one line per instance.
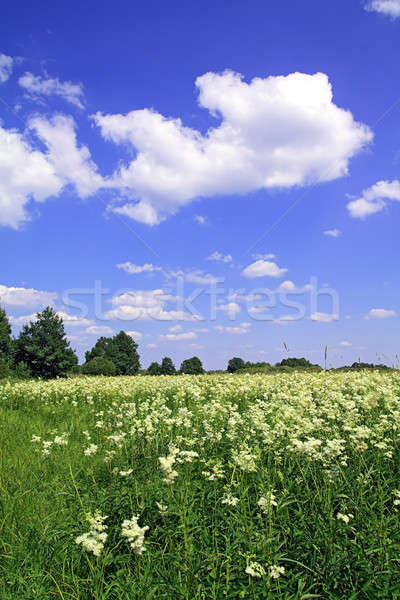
(208, 487)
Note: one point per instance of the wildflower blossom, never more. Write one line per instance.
(94, 539)
(230, 500)
(162, 509)
(92, 449)
(396, 501)
(254, 569)
(134, 534)
(126, 473)
(275, 571)
(268, 501)
(344, 518)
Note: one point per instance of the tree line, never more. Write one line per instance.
(43, 350)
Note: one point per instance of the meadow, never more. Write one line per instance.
(206, 487)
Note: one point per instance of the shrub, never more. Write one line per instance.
(22, 371)
(99, 366)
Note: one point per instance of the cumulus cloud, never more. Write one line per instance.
(25, 297)
(386, 7)
(242, 328)
(231, 308)
(335, 233)
(135, 334)
(373, 199)
(168, 337)
(99, 330)
(6, 67)
(200, 220)
(146, 305)
(380, 313)
(47, 86)
(23, 320)
(289, 286)
(263, 268)
(274, 132)
(132, 269)
(195, 276)
(324, 317)
(226, 258)
(74, 320)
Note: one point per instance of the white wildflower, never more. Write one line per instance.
(254, 569)
(275, 571)
(92, 449)
(94, 540)
(134, 534)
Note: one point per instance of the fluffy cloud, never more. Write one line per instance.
(231, 308)
(289, 286)
(227, 258)
(25, 297)
(75, 321)
(132, 269)
(146, 305)
(195, 276)
(40, 86)
(200, 220)
(189, 335)
(323, 317)
(333, 233)
(380, 313)
(373, 199)
(6, 66)
(274, 132)
(386, 7)
(263, 268)
(99, 330)
(238, 330)
(23, 320)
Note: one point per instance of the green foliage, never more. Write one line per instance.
(235, 364)
(22, 371)
(192, 366)
(5, 370)
(43, 347)
(120, 350)
(167, 366)
(99, 366)
(154, 369)
(295, 362)
(5, 337)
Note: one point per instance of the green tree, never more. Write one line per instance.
(154, 369)
(294, 362)
(120, 350)
(167, 366)
(5, 337)
(235, 364)
(43, 347)
(99, 366)
(192, 366)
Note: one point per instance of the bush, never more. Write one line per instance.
(192, 366)
(22, 371)
(4, 369)
(99, 366)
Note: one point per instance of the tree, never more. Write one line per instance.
(167, 366)
(99, 366)
(235, 364)
(5, 337)
(154, 369)
(192, 366)
(120, 350)
(294, 362)
(43, 347)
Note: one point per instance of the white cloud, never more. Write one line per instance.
(373, 199)
(333, 233)
(74, 320)
(195, 276)
(24, 319)
(276, 132)
(6, 67)
(345, 344)
(175, 328)
(386, 7)
(132, 269)
(380, 313)
(151, 345)
(263, 268)
(227, 258)
(238, 330)
(99, 330)
(264, 256)
(135, 334)
(200, 220)
(41, 86)
(289, 286)
(25, 297)
(189, 335)
(324, 317)
(72, 164)
(146, 305)
(231, 308)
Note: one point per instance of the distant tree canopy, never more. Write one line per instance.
(154, 369)
(235, 364)
(167, 366)
(121, 350)
(5, 337)
(192, 366)
(43, 347)
(294, 362)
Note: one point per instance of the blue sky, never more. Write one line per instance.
(244, 154)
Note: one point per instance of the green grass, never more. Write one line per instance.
(200, 549)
